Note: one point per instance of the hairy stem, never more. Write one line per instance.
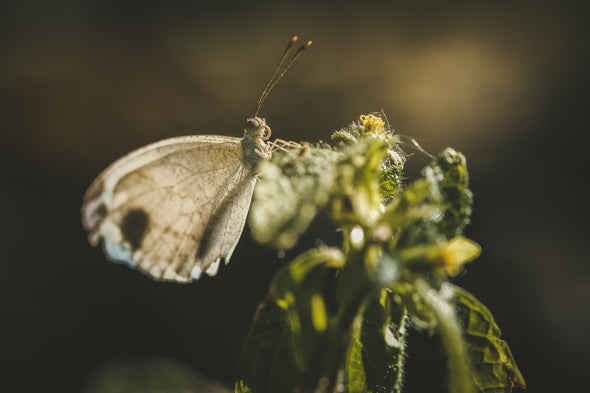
(460, 380)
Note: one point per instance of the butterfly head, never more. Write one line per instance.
(256, 129)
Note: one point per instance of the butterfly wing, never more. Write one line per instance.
(172, 209)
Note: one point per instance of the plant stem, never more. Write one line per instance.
(460, 380)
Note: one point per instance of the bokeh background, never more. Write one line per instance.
(83, 82)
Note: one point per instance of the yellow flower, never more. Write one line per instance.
(372, 124)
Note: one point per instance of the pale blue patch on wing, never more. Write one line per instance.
(119, 253)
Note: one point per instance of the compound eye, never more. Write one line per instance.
(252, 124)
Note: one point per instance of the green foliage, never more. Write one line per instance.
(494, 368)
(313, 313)
(376, 355)
(444, 189)
(356, 193)
(284, 207)
(337, 317)
(449, 170)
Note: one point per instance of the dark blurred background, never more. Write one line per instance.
(83, 82)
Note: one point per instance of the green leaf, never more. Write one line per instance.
(449, 172)
(293, 185)
(390, 175)
(356, 195)
(447, 257)
(267, 361)
(346, 135)
(322, 298)
(376, 357)
(302, 289)
(436, 208)
(417, 204)
(494, 367)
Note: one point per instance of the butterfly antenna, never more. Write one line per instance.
(276, 76)
(295, 56)
(277, 69)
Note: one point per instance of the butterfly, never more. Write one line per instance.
(175, 208)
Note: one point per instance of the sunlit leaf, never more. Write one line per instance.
(302, 288)
(373, 127)
(293, 185)
(494, 367)
(356, 195)
(448, 257)
(455, 253)
(418, 203)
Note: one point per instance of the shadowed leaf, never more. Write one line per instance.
(376, 357)
(267, 360)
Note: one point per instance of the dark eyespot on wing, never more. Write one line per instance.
(134, 227)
